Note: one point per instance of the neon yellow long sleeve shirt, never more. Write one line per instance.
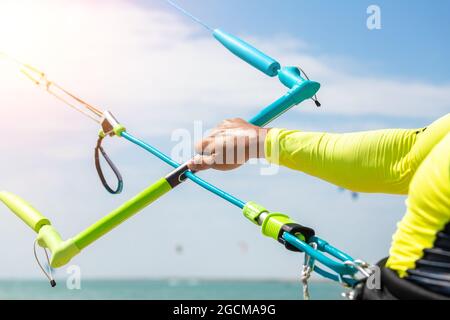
(397, 161)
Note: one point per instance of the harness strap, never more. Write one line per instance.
(395, 288)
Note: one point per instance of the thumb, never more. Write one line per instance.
(202, 162)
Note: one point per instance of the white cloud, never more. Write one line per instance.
(353, 95)
(155, 70)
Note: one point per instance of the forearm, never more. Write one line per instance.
(373, 161)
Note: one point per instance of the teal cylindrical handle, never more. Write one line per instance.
(33, 218)
(248, 53)
(296, 95)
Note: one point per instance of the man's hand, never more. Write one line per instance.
(229, 145)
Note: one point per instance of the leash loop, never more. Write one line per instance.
(99, 150)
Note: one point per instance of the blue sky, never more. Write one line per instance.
(159, 72)
(413, 42)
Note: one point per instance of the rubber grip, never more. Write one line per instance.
(248, 53)
(33, 218)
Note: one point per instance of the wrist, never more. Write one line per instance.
(262, 134)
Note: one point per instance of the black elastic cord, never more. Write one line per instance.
(315, 99)
(98, 150)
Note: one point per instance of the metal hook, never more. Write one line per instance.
(361, 266)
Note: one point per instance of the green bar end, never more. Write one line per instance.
(252, 211)
(62, 251)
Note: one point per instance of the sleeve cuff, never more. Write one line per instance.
(272, 147)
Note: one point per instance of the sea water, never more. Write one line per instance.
(168, 289)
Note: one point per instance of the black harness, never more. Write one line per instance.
(430, 280)
(395, 288)
(432, 271)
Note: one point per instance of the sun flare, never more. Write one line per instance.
(23, 28)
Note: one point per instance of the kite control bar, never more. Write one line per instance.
(278, 226)
(63, 251)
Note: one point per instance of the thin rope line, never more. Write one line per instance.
(67, 103)
(40, 79)
(314, 98)
(87, 105)
(47, 274)
(9, 57)
(190, 15)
